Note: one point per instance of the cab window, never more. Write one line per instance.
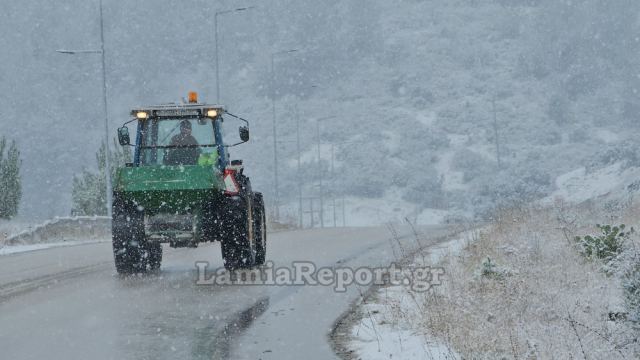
(176, 141)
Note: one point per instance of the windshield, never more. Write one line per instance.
(178, 141)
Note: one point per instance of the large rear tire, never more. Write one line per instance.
(154, 255)
(238, 247)
(260, 229)
(127, 227)
(213, 226)
(131, 252)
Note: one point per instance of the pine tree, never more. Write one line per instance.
(89, 189)
(10, 184)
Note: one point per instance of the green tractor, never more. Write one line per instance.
(182, 189)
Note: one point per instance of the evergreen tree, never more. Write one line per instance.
(10, 185)
(89, 191)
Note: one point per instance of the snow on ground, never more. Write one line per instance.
(20, 236)
(11, 227)
(578, 186)
(425, 117)
(519, 295)
(607, 136)
(389, 208)
(387, 330)
(383, 341)
(453, 180)
(367, 212)
(523, 278)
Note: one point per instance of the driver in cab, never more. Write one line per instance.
(184, 147)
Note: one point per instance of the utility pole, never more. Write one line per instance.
(300, 205)
(311, 212)
(320, 178)
(275, 131)
(344, 216)
(215, 21)
(105, 107)
(320, 170)
(495, 130)
(333, 181)
(300, 223)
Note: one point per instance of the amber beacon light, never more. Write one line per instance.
(193, 97)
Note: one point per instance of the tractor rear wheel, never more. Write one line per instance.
(260, 229)
(238, 246)
(131, 252)
(154, 255)
(127, 228)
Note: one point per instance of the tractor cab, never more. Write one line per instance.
(179, 135)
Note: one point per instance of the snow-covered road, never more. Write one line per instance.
(68, 303)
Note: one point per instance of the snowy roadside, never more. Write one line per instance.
(526, 280)
(381, 325)
(387, 329)
(57, 232)
(9, 228)
(516, 289)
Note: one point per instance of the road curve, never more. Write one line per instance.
(68, 303)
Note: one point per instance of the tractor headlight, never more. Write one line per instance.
(212, 113)
(142, 115)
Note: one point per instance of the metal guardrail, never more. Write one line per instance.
(64, 229)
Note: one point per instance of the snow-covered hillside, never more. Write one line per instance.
(613, 182)
(410, 85)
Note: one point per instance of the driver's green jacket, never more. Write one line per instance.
(208, 159)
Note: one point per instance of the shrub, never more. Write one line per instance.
(89, 189)
(490, 269)
(613, 246)
(606, 246)
(10, 180)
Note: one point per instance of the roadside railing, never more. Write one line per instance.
(62, 229)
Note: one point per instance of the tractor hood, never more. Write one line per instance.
(168, 178)
(169, 189)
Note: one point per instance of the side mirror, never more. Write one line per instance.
(123, 136)
(244, 133)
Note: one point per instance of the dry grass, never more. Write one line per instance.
(547, 303)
